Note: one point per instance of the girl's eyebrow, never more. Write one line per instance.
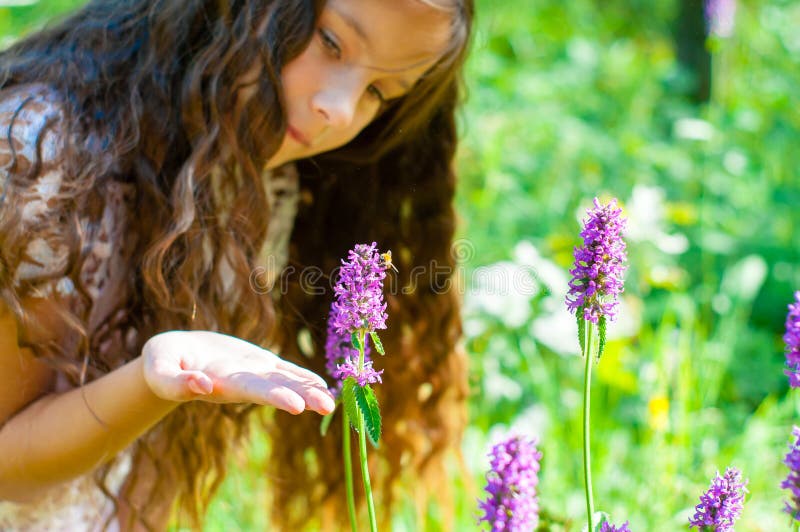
(352, 22)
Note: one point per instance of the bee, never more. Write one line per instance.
(386, 261)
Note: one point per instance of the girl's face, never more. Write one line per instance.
(364, 54)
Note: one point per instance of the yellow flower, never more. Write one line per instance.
(658, 410)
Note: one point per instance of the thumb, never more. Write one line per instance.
(169, 381)
(165, 370)
(197, 382)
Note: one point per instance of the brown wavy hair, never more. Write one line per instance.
(151, 88)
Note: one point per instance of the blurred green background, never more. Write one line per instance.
(571, 100)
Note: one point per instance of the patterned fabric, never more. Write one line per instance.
(37, 118)
(78, 505)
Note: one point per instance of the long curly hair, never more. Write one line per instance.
(151, 92)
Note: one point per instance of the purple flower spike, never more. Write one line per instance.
(721, 505)
(608, 527)
(339, 349)
(512, 503)
(359, 302)
(367, 375)
(792, 339)
(599, 264)
(792, 482)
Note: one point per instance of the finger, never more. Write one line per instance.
(316, 396)
(284, 398)
(271, 390)
(320, 401)
(301, 373)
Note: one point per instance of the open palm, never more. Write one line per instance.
(209, 366)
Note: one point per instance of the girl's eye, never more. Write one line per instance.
(330, 43)
(375, 92)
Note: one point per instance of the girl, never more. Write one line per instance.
(170, 171)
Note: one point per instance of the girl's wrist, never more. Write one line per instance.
(150, 395)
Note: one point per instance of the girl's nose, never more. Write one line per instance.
(337, 104)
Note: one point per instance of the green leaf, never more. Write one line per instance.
(368, 404)
(356, 341)
(581, 329)
(326, 422)
(349, 401)
(601, 323)
(377, 342)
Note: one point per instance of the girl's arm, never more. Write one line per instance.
(61, 436)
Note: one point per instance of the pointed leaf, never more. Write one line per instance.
(581, 330)
(602, 327)
(368, 404)
(349, 401)
(377, 342)
(356, 341)
(326, 423)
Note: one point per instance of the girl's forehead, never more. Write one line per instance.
(396, 35)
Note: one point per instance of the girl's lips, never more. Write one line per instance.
(297, 136)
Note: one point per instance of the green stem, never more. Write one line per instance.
(362, 337)
(796, 399)
(348, 471)
(587, 382)
(362, 445)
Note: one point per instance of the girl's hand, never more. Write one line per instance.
(187, 365)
